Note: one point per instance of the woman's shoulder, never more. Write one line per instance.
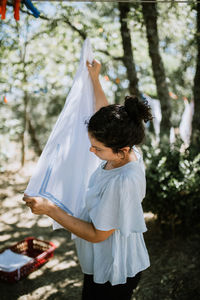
(126, 183)
(132, 171)
(126, 179)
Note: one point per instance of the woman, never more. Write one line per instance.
(109, 232)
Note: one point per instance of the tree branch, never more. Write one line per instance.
(118, 58)
(82, 34)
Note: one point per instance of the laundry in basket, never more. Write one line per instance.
(10, 261)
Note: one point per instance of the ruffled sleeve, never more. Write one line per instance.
(119, 206)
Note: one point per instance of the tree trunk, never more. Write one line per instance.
(128, 59)
(24, 130)
(150, 18)
(195, 139)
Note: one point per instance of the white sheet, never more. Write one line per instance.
(65, 165)
(11, 261)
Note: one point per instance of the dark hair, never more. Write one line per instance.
(118, 126)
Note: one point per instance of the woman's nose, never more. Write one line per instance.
(92, 149)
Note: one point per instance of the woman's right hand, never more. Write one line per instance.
(94, 69)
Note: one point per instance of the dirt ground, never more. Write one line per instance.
(173, 274)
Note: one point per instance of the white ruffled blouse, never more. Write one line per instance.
(113, 201)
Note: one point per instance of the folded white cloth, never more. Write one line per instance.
(11, 261)
(66, 164)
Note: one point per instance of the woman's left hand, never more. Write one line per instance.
(94, 69)
(38, 205)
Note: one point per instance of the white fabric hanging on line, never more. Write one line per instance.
(66, 164)
(157, 114)
(185, 126)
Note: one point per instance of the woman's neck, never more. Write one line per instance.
(112, 164)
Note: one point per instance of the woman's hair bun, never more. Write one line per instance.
(137, 110)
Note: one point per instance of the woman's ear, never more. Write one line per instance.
(123, 152)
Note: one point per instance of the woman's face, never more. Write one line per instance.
(103, 152)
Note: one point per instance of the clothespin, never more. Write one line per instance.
(16, 9)
(32, 8)
(3, 9)
(16, 6)
(117, 80)
(173, 96)
(5, 100)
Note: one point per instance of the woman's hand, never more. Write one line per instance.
(100, 97)
(94, 69)
(38, 205)
(81, 228)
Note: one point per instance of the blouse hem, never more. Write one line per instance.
(117, 282)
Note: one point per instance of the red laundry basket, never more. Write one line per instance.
(41, 251)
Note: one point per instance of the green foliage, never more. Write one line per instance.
(173, 187)
(39, 59)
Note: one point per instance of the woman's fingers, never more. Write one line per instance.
(37, 204)
(28, 199)
(94, 69)
(95, 63)
(88, 64)
(31, 203)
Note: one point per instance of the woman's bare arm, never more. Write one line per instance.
(100, 97)
(81, 228)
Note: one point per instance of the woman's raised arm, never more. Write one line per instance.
(94, 71)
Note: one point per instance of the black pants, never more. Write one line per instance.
(106, 291)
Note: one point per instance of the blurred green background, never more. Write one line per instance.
(147, 49)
